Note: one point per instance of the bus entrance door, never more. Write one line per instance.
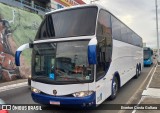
(101, 91)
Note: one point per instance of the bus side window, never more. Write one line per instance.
(100, 61)
(104, 44)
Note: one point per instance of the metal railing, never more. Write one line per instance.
(25, 4)
(35, 6)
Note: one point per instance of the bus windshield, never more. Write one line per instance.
(147, 54)
(61, 62)
(69, 23)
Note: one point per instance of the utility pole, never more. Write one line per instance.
(158, 57)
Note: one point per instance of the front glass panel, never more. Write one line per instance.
(147, 54)
(104, 46)
(61, 62)
(69, 23)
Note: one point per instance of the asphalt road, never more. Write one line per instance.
(130, 93)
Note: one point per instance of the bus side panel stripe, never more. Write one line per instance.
(17, 58)
(92, 54)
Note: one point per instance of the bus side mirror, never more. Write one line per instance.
(92, 59)
(19, 50)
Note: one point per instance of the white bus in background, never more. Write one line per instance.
(81, 56)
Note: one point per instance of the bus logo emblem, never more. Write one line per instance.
(54, 92)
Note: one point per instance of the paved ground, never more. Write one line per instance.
(13, 82)
(151, 107)
(151, 95)
(155, 83)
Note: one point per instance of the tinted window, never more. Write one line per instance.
(116, 28)
(122, 33)
(104, 46)
(69, 23)
(104, 25)
(64, 62)
(147, 54)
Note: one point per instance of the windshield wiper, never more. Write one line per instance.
(77, 79)
(71, 78)
(35, 77)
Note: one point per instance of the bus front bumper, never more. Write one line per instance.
(88, 101)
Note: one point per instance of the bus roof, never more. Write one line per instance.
(74, 7)
(147, 48)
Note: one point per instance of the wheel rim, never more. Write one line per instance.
(115, 88)
(137, 72)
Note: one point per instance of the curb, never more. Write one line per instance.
(13, 84)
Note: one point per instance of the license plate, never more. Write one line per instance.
(54, 103)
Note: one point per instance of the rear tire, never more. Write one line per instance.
(114, 88)
(140, 69)
(137, 73)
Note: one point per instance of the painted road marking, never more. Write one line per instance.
(143, 97)
(151, 77)
(134, 95)
(151, 92)
(13, 86)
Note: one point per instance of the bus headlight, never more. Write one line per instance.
(35, 90)
(82, 93)
(29, 76)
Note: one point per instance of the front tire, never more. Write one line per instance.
(114, 88)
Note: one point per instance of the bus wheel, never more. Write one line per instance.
(137, 73)
(114, 88)
(140, 69)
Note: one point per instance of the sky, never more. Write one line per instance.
(139, 15)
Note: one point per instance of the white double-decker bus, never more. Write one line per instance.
(81, 56)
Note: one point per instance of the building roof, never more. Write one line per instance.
(80, 1)
(68, 3)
